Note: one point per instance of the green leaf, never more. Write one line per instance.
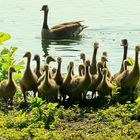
(131, 60)
(137, 100)
(4, 37)
(5, 51)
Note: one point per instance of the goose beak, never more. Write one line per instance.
(53, 60)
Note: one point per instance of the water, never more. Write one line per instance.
(108, 22)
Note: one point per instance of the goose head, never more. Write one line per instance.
(82, 56)
(59, 59)
(46, 67)
(45, 8)
(36, 57)
(104, 59)
(87, 62)
(124, 43)
(71, 64)
(27, 54)
(137, 49)
(100, 65)
(49, 59)
(96, 45)
(12, 69)
(105, 53)
(126, 63)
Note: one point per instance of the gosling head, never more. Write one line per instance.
(137, 48)
(105, 71)
(96, 45)
(46, 67)
(124, 42)
(81, 66)
(49, 59)
(104, 59)
(100, 64)
(126, 63)
(71, 64)
(44, 8)
(105, 53)
(82, 56)
(12, 69)
(36, 57)
(27, 54)
(59, 59)
(87, 62)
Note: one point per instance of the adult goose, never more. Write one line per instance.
(129, 81)
(28, 81)
(8, 87)
(61, 31)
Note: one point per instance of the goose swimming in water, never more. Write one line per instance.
(62, 31)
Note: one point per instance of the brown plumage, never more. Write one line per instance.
(28, 81)
(81, 69)
(58, 76)
(96, 78)
(37, 69)
(83, 57)
(93, 67)
(8, 87)
(105, 87)
(62, 31)
(67, 80)
(125, 47)
(79, 84)
(104, 60)
(125, 73)
(129, 81)
(48, 89)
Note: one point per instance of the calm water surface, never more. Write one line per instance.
(109, 21)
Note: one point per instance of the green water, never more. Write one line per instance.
(108, 22)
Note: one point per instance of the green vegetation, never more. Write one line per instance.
(4, 37)
(51, 121)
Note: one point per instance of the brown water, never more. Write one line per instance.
(109, 21)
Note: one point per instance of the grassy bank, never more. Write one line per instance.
(48, 121)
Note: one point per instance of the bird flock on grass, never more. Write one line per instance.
(51, 84)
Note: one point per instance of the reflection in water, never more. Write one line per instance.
(65, 45)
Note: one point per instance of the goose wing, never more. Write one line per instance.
(67, 30)
(66, 23)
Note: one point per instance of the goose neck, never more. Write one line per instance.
(10, 76)
(94, 55)
(45, 22)
(136, 65)
(28, 63)
(46, 75)
(38, 65)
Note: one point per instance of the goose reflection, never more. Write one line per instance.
(61, 45)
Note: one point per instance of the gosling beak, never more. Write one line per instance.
(53, 60)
